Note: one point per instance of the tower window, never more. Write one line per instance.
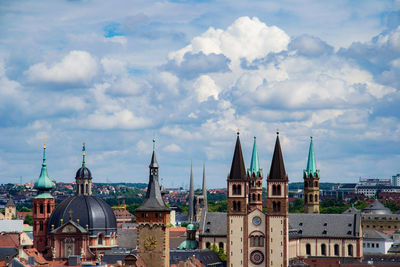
(239, 189)
(100, 240)
(311, 198)
(316, 198)
(254, 197)
(316, 183)
(259, 197)
(278, 189)
(274, 190)
(41, 209)
(41, 226)
(48, 208)
(238, 205)
(234, 206)
(234, 189)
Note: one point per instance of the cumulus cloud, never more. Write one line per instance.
(247, 38)
(174, 148)
(307, 45)
(78, 67)
(122, 119)
(205, 88)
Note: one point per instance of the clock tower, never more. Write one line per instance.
(153, 220)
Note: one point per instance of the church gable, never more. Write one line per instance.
(69, 228)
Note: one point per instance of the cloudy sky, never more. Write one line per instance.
(115, 74)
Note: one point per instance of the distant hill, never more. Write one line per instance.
(300, 185)
(132, 185)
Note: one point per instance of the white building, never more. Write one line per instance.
(375, 242)
(396, 180)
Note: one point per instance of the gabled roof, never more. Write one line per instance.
(277, 171)
(10, 203)
(76, 225)
(372, 234)
(214, 224)
(351, 210)
(238, 170)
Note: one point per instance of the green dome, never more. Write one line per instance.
(191, 227)
(43, 183)
(189, 244)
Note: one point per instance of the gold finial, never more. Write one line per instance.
(83, 148)
(44, 142)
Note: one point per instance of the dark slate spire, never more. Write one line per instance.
(153, 200)
(277, 171)
(238, 171)
(191, 196)
(204, 187)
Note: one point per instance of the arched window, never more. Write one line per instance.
(238, 205)
(41, 226)
(234, 205)
(208, 245)
(350, 250)
(100, 240)
(48, 208)
(239, 189)
(221, 245)
(82, 189)
(316, 183)
(234, 189)
(258, 183)
(311, 198)
(308, 249)
(259, 197)
(274, 190)
(87, 189)
(254, 197)
(316, 198)
(323, 249)
(278, 189)
(336, 248)
(279, 206)
(274, 206)
(41, 209)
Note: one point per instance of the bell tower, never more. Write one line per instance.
(311, 183)
(238, 191)
(43, 206)
(255, 181)
(153, 220)
(277, 227)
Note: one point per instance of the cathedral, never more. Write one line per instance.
(81, 225)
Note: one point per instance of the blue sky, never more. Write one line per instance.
(115, 74)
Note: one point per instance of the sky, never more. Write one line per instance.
(116, 74)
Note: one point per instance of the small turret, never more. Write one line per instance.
(43, 184)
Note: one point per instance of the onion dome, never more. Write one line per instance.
(90, 212)
(43, 184)
(190, 227)
(190, 242)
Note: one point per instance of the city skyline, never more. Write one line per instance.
(191, 74)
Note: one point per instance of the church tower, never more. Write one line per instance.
(237, 210)
(83, 177)
(43, 206)
(311, 183)
(153, 220)
(277, 227)
(255, 185)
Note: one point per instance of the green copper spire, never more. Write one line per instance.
(254, 163)
(83, 154)
(43, 183)
(311, 163)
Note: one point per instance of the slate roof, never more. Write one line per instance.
(373, 234)
(7, 253)
(351, 210)
(324, 225)
(277, 171)
(376, 207)
(214, 224)
(153, 200)
(238, 171)
(117, 254)
(12, 226)
(126, 238)
(205, 256)
(10, 203)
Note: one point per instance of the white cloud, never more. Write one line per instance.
(173, 148)
(205, 87)
(247, 38)
(122, 119)
(117, 39)
(77, 67)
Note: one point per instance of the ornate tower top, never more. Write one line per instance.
(238, 170)
(277, 171)
(153, 200)
(311, 162)
(254, 163)
(43, 183)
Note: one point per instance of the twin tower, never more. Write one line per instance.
(258, 237)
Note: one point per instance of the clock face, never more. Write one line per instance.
(257, 220)
(150, 243)
(257, 257)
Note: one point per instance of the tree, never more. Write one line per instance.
(28, 219)
(297, 206)
(220, 252)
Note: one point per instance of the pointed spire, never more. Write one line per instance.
(311, 162)
(191, 196)
(238, 171)
(277, 171)
(83, 154)
(254, 163)
(43, 183)
(154, 163)
(153, 200)
(204, 188)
